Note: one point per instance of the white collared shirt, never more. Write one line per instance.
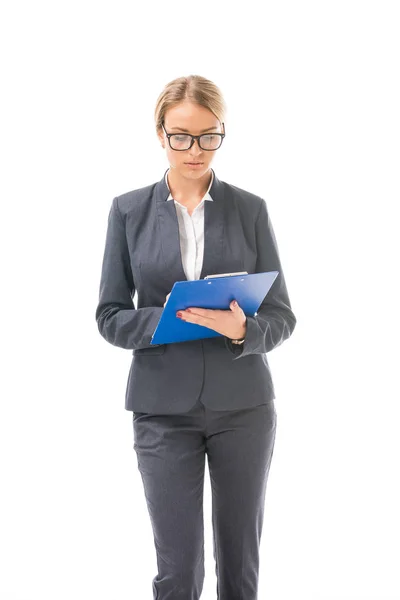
(191, 234)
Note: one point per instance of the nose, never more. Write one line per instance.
(193, 153)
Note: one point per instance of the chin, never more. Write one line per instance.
(196, 174)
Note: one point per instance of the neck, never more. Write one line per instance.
(183, 187)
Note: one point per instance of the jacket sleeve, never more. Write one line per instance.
(119, 322)
(274, 322)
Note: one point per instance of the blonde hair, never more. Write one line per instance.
(193, 88)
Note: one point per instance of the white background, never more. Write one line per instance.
(313, 99)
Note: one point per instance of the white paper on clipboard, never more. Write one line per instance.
(226, 274)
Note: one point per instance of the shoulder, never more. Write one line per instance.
(245, 200)
(128, 201)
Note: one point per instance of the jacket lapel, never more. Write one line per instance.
(213, 230)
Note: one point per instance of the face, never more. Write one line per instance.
(196, 120)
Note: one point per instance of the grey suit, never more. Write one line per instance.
(200, 397)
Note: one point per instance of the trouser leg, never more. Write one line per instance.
(171, 460)
(240, 448)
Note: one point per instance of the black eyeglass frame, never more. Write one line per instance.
(194, 137)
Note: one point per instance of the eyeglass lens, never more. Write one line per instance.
(206, 141)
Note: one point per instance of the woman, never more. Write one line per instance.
(212, 396)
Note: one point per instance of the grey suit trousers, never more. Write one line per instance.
(170, 452)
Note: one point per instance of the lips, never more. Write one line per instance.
(189, 163)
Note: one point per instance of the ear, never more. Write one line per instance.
(160, 135)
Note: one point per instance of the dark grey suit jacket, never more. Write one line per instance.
(142, 253)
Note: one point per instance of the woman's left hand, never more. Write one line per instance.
(231, 323)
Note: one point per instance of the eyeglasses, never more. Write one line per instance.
(184, 141)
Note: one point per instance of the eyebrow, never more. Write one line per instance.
(202, 131)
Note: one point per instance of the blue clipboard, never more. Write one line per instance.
(248, 290)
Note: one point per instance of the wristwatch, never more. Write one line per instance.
(241, 341)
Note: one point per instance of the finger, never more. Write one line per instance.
(196, 318)
(204, 321)
(207, 313)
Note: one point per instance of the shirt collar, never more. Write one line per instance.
(206, 195)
